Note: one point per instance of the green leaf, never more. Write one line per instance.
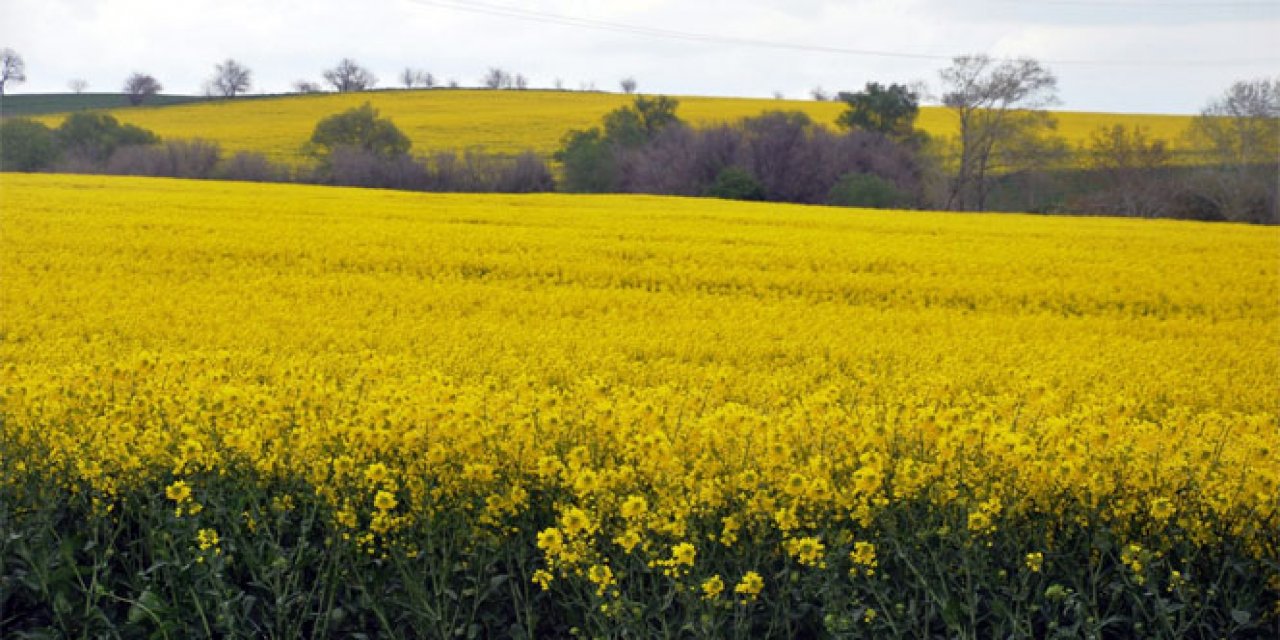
(147, 605)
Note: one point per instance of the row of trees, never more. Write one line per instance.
(232, 78)
(778, 156)
(353, 148)
(1006, 155)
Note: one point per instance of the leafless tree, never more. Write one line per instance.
(140, 86)
(498, 78)
(521, 82)
(411, 78)
(350, 76)
(12, 68)
(628, 85)
(306, 86)
(229, 79)
(1000, 105)
(1240, 135)
(78, 85)
(819, 94)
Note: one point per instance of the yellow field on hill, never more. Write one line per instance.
(506, 121)
(668, 375)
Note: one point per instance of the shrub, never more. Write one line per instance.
(352, 166)
(527, 173)
(735, 183)
(174, 159)
(477, 172)
(252, 167)
(26, 145)
(866, 190)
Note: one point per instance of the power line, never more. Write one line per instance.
(545, 17)
(1146, 6)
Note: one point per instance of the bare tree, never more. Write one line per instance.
(350, 76)
(498, 78)
(1000, 105)
(1240, 134)
(140, 86)
(628, 85)
(12, 68)
(77, 85)
(411, 78)
(819, 94)
(306, 86)
(229, 79)
(521, 82)
(1132, 170)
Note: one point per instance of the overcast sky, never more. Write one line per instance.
(1110, 55)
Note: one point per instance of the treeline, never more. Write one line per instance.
(354, 148)
(1007, 155)
(777, 156)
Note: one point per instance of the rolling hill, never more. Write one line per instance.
(505, 122)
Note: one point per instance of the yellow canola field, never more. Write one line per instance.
(510, 122)
(658, 371)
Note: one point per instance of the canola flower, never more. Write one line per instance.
(1034, 561)
(512, 122)
(659, 383)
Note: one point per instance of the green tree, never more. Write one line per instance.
(590, 157)
(639, 123)
(588, 162)
(888, 110)
(26, 145)
(656, 113)
(95, 136)
(359, 128)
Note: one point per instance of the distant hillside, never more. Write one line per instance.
(498, 121)
(34, 104)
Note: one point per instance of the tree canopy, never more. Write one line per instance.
(359, 128)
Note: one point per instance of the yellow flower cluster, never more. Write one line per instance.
(863, 558)
(1034, 561)
(665, 378)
